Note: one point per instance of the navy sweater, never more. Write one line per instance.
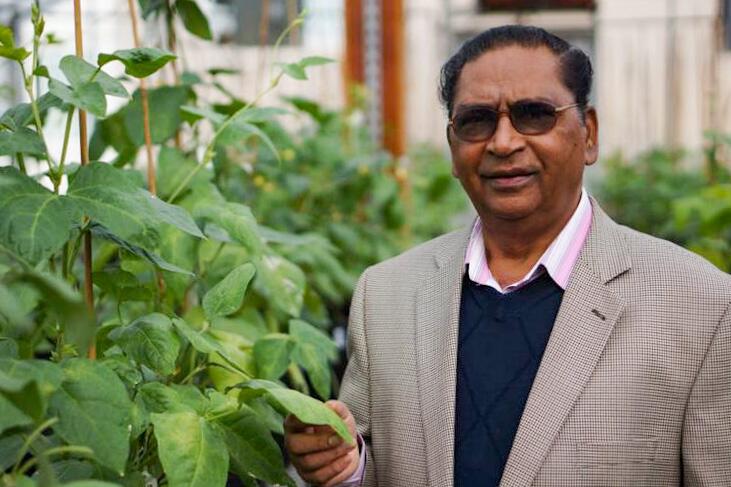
(502, 338)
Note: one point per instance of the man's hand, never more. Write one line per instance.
(320, 456)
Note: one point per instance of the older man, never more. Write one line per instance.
(545, 345)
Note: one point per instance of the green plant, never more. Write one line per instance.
(657, 194)
(197, 314)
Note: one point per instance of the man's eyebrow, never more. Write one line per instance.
(469, 106)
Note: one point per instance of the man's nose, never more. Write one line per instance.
(506, 139)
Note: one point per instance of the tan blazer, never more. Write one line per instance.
(634, 388)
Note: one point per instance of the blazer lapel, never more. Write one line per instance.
(436, 335)
(585, 320)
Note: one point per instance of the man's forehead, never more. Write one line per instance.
(511, 72)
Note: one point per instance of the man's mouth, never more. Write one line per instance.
(509, 179)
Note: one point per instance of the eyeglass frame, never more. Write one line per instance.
(499, 113)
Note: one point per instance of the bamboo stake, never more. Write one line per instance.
(88, 283)
(151, 177)
(263, 40)
(291, 15)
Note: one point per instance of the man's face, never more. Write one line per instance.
(512, 176)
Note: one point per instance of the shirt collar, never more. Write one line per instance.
(558, 259)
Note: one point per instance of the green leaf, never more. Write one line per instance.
(313, 351)
(150, 340)
(176, 216)
(154, 259)
(11, 416)
(22, 114)
(173, 167)
(159, 398)
(281, 282)
(271, 353)
(195, 22)
(8, 346)
(23, 141)
(87, 96)
(252, 449)
(165, 117)
(149, 7)
(107, 195)
(226, 297)
(7, 46)
(239, 131)
(91, 483)
(194, 114)
(9, 448)
(305, 408)
(78, 72)
(315, 61)
(192, 452)
(140, 62)
(294, 70)
(94, 411)
(36, 222)
(237, 220)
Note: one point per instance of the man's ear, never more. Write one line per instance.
(591, 122)
(451, 149)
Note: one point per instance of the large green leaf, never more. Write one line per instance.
(192, 452)
(140, 62)
(36, 222)
(237, 220)
(11, 416)
(22, 114)
(165, 118)
(159, 398)
(151, 341)
(272, 353)
(305, 408)
(281, 282)
(154, 259)
(193, 19)
(23, 141)
(87, 96)
(78, 72)
(94, 411)
(226, 297)
(313, 351)
(252, 449)
(176, 216)
(110, 197)
(173, 167)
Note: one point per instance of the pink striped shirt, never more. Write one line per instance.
(558, 259)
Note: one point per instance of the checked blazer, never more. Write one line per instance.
(634, 388)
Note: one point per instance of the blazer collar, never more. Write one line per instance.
(587, 315)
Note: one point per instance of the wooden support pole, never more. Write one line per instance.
(392, 15)
(151, 176)
(353, 67)
(83, 146)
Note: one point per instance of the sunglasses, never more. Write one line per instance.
(478, 123)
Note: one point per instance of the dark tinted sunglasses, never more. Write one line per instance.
(477, 124)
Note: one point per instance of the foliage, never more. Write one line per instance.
(211, 298)
(657, 194)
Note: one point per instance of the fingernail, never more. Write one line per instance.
(334, 440)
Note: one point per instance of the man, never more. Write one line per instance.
(546, 345)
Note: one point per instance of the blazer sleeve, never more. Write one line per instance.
(707, 426)
(355, 389)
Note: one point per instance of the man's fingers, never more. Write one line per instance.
(339, 407)
(294, 425)
(315, 461)
(304, 443)
(333, 469)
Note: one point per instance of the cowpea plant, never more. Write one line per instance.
(177, 374)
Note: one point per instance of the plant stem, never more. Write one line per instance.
(31, 438)
(28, 83)
(56, 451)
(21, 163)
(88, 283)
(210, 153)
(151, 177)
(66, 136)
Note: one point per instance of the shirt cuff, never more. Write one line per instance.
(357, 477)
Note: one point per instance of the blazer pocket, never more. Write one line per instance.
(629, 462)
